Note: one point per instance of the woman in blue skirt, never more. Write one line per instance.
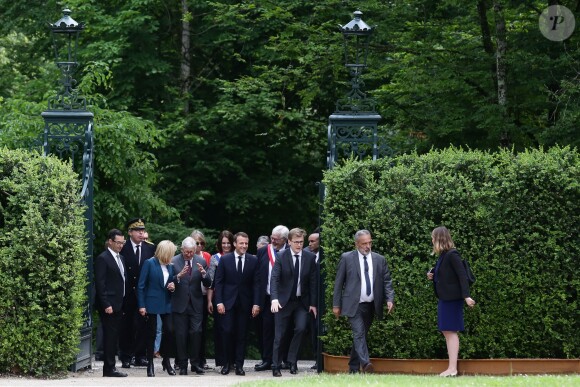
(452, 289)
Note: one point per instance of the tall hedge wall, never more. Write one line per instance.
(516, 217)
(42, 264)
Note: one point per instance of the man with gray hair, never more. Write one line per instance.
(187, 305)
(363, 283)
(265, 325)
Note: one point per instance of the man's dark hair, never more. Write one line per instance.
(114, 233)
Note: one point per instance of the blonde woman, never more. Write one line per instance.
(452, 289)
(154, 298)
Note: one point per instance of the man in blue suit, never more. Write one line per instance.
(237, 297)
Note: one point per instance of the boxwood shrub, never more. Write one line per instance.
(42, 263)
(514, 216)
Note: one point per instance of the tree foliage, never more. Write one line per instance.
(264, 77)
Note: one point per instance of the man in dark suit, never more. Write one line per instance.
(294, 295)
(237, 296)
(110, 275)
(360, 289)
(265, 325)
(314, 247)
(187, 305)
(133, 332)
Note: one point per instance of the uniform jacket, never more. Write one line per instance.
(132, 265)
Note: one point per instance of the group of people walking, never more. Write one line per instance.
(277, 287)
(136, 282)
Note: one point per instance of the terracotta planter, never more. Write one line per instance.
(338, 364)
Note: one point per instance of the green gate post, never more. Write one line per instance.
(68, 133)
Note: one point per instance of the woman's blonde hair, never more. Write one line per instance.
(165, 251)
(441, 240)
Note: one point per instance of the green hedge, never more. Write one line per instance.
(42, 264)
(514, 216)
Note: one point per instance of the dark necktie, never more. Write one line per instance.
(239, 264)
(367, 278)
(296, 275)
(188, 263)
(138, 254)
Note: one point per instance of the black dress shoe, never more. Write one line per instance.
(263, 366)
(114, 374)
(141, 363)
(150, 369)
(293, 369)
(197, 369)
(352, 371)
(240, 371)
(258, 364)
(225, 370)
(276, 372)
(125, 364)
(314, 367)
(183, 371)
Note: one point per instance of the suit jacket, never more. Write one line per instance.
(108, 282)
(307, 248)
(229, 286)
(152, 292)
(283, 279)
(132, 267)
(264, 267)
(450, 280)
(348, 284)
(320, 253)
(189, 287)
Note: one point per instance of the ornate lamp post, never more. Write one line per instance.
(65, 34)
(352, 128)
(68, 133)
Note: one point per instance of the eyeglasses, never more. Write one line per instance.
(200, 243)
(121, 243)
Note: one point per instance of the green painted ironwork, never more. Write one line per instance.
(68, 133)
(353, 127)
